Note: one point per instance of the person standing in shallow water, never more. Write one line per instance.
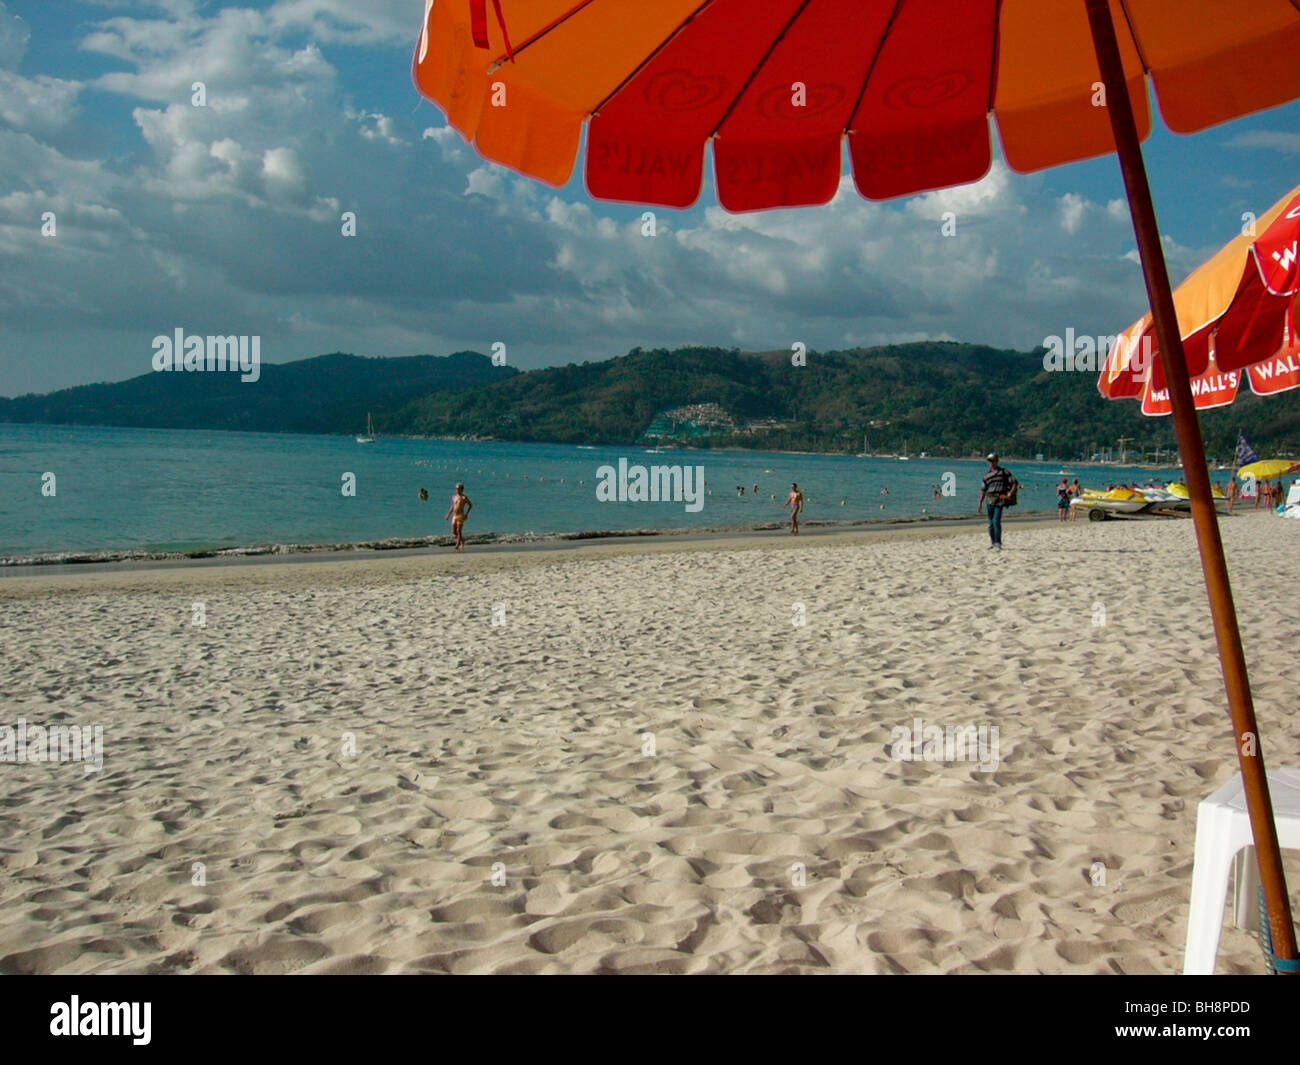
(794, 501)
(458, 512)
(996, 483)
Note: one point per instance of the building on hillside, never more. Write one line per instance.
(694, 419)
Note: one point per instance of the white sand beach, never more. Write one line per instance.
(644, 765)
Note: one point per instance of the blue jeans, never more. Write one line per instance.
(995, 525)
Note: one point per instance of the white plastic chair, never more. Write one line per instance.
(1223, 842)
(1292, 507)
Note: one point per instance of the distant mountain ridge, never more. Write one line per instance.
(325, 394)
(940, 397)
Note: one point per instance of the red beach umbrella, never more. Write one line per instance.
(777, 86)
(1236, 317)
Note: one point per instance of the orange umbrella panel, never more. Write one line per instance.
(775, 85)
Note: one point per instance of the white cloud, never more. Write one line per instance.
(1272, 140)
(378, 127)
(39, 104)
(1073, 209)
(349, 22)
(230, 214)
(14, 35)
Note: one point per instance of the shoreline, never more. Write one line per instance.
(68, 561)
(496, 556)
(643, 446)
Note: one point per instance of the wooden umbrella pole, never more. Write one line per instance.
(1250, 753)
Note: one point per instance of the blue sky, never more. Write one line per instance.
(226, 219)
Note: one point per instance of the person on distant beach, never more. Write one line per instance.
(795, 502)
(424, 495)
(996, 483)
(755, 489)
(938, 494)
(1076, 492)
(458, 512)
(1063, 500)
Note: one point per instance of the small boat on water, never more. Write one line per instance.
(369, 438)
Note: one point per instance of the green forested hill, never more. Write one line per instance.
(944, 398)
(326, 394)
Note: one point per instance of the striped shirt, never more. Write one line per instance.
(996, 483)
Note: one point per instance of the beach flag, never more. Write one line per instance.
(1245, 453)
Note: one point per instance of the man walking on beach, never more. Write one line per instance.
(795, 502)
(458, 512)
(997, 482)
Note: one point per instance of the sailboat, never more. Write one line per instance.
(369, 438)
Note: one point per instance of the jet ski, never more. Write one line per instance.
(1100, 505)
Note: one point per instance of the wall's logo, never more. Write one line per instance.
(920, 92)
(680, 90)
(799, 101)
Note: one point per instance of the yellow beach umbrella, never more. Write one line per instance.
(1266, 468)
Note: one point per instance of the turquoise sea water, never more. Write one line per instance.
(161, 490)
